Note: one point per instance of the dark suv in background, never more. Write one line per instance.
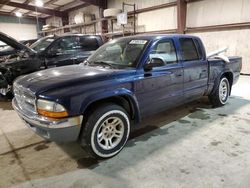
(67, 49)
(47, 52)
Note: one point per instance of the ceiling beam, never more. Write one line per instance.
(4, 2)
(99, 3)
(38, 9)
(76, 7)
(192, 1)
(50, 2)
(16, 9)
(46, 4)
(70, 5)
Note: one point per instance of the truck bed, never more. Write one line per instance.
(217, 66)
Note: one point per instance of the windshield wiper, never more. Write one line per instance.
(103, 63)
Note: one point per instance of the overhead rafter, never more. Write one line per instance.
(70, 5)
(16, 9)
(191, 1)
(4, 2)
(99, 3)
(76, 7)
(38, 9)
(46, 4)
(50, 2)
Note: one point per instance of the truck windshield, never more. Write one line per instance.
(123, 52)
(42, 44)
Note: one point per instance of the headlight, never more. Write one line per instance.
(51, 109)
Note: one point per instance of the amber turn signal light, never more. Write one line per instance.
(52, 114)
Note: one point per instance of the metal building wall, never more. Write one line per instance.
(26, 29)
(155, 20)
(219, 12)
(199, 14)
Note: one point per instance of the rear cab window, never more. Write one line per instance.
(199, 49)
(189, 50)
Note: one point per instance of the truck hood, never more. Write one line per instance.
(45, 80)
(14, 43)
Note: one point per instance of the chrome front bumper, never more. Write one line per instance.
(63, 130)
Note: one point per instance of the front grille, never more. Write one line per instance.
(25, 99)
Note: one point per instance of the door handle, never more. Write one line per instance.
(204, 70)
(179, 75)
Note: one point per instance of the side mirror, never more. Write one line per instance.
(154, 62)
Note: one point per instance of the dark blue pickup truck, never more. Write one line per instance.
(98, 101)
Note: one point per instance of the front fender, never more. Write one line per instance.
(121, 92)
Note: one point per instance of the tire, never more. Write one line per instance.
(111, 124)
(221, 94)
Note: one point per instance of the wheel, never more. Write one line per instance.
(221, 94)
(106, 131)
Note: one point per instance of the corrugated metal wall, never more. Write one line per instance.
(200, 13)
(24, 31)
(139, 3)
(217, 12)
(161, 19)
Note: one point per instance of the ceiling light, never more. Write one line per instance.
(39, 3)
(18, 14)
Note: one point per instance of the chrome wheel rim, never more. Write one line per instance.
(110, 133)
(223, 91)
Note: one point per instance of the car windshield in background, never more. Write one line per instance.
(42, 44)
(120, 53)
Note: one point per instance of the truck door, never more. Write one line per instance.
(161, 87)
(62, 52)
(195, 67)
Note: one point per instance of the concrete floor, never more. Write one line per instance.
(190, 146)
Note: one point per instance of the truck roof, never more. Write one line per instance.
(68, 35)
(159, 36)
(76, 34)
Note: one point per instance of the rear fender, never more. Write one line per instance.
(217, 82)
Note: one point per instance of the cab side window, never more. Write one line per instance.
(164, 50)
(87, 43)
(198, 46)
(65, 45)
(188, 49)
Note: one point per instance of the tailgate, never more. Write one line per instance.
(235, 63)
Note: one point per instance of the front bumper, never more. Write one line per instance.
(63, 130)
